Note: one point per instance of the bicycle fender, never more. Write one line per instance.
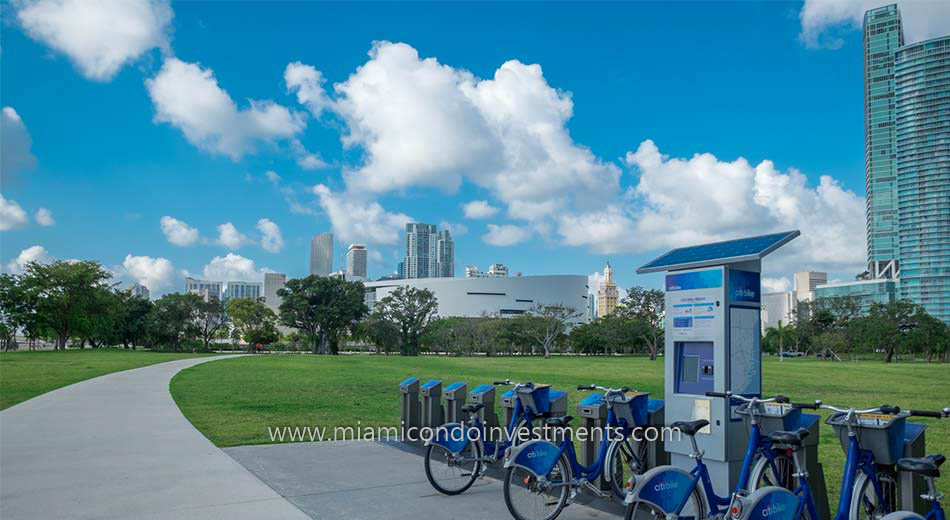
(451, 436)
(537, 456)
(665, 487)
(902, 515)
(770, 503)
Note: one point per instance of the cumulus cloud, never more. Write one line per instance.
(273, 177)
(230, 237)
(15, 143)
(822, 20)
(479, 209)
(189, 98)
(44, 217)
(178, 232)
(681, 201)
(99, 36)
(154, 273)
(232, 267)
(358, 220)
(271, 238)
(774, 285)
(456, 230)
(11, 214)
(505, 235)
(30, 254)
(307, 82)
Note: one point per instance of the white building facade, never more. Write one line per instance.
(273, 282)
(242, 290)
(321, 254)
(356, 262)
(806, 282)
(777, 307)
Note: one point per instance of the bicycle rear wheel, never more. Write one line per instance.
(453, 474)
(695, 509)
(865, 503)
(624, 459)
(529, 499)
(763, 474)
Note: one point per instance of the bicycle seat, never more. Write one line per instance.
(472, 407)
(690, 427)
(558, 422)
(792, 439)
(927, 466)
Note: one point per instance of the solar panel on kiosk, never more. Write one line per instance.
(719, 253)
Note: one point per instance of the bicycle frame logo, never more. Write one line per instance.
(773, 509)
(666, 486)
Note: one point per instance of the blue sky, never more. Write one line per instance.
(424, 108)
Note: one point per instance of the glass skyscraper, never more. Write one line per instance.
(883, 34)
(922, 100)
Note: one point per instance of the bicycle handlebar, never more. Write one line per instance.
(730, 395)
(927, 413)
(884, 408)
(605, 389)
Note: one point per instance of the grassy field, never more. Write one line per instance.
(234, 401)
(28, 374)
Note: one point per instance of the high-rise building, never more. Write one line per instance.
(242, 290)
(273, 282)
(356, 260)
(203, 288)
(494, 270)
(421, 243)
(922, 99)
(445, 255)
(867, 292)
(591, 307)
(607, 294)
(805, 283)
(777, 307)
(321, 254)
(139, 290)
(883, 35)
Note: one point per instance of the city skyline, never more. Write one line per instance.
(625, 160)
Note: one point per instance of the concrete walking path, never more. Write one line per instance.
(117, 446)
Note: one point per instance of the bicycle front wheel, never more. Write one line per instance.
(781, 474)
(452, 474)
(625, 458)
(865, 502)
(695, 509)
(529, 499)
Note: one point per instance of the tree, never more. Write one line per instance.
(322, 307)
(172, 319)
(887, 325)
(409, 310)
(210, 317)
(382, 333)
(132, 322)
(547, 323)
(67, 293)
(255, 321)
(647, 306)
(16, 306)
(783, 334)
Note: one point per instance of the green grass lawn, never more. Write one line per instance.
(234, 401)
(28, 374)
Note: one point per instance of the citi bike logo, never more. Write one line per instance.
(773, 509)
(535, 453)
(666, 486)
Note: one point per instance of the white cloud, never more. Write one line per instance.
(44, 217)
(11, 214)
(154, 273)
(30, 254)
(596, 278)
(360, 221)
(272, 176)
(456, 230)
(505, 235)
(15, 143)
(703, 199)
(230, 237)
(99, 36)
(820, 19)
(178, 232)
(189, 98)
(479, 209)
(271, 239)
(232, 267)
(774, 285)
(307, 82)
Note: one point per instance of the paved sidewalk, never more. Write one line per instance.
(117, 446)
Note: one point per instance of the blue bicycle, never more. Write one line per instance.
(929, 468)
(868, 490)
(672, 492)
(458, 453)
(544, 477)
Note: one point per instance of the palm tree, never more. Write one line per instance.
(781, 333)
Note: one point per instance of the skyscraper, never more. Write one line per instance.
(421, 244)
(922, 99)
(883, 34)
(273, 282)
(139, 290)
(356, 262)
(321, 254)
(805, 283)
(445, 253)
(250, 290)
(607, 294)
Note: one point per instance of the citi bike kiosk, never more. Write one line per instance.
(712, 344)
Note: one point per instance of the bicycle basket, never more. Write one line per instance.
(535, 398)
(772, 417)
(881, 434)
(630, 409)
